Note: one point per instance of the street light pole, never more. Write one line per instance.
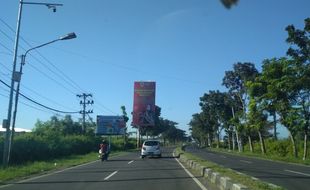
(7, 122)
(18, 76)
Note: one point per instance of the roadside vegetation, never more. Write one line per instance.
(58, 138)
(279, 150)
(56, 144)
(257, 102)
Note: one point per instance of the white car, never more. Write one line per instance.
(151, 148)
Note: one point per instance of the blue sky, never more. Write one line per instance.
(184, 45)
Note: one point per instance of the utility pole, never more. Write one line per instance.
(7, 122)
(84, 102)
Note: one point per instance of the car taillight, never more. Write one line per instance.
(157, 148)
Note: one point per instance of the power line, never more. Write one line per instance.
(38, 70)
(52, 101)
(103, 108)
(6, 48)
(63, 76)
(73, 84)
(5, 66)
(132, 69)
(35, 102)
(6, 96)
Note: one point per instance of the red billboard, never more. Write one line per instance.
(144, 104)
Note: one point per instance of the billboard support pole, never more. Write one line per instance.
(138, 137)
(109, 142)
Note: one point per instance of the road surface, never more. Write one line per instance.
(289, 176)
(122, 172)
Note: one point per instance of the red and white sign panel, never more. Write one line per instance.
(144, 104)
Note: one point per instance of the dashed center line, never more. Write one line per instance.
(130, 162)
(300, 173)
(245, 161)
(109, 176)
(223, 156)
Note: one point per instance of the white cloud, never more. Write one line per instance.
(16, 129)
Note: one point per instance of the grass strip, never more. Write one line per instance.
(235, 177)
(40, 167)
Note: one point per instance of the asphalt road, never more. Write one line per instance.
(289, 176)
(122, 172)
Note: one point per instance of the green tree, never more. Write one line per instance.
(65, 126)
(158, 128)
(299, 51)
(279, 75)
(235, 81)
(201, 129)
(257, 121)
(172, 133)
(216, 106)
(126, 118)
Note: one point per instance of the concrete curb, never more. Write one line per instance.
(222, 182)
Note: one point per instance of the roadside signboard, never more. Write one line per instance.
(144, 104)
(110, 125)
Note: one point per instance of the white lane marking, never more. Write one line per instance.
(130, 162)
(254, 178)
(223, 156)
(245, 161)
(109, 176)
(48, 174)
(300, 173)
(191, 175)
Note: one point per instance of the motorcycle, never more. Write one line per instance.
(103, 155)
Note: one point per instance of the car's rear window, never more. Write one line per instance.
(151, 143)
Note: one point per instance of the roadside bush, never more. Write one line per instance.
(280, 148)
(30, 147)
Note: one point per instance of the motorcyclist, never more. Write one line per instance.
(104, 150)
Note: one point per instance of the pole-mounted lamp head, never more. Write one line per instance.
(68, 36)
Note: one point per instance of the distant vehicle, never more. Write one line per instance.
(150, 148)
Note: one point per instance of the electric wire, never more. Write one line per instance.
(38, 71)
(48, 99)
(37, 103)
(28, 105)
(39, 61)
(100, 104)
(59, 83)
(5, 47)
(132, 69)
(75, 84)
(63, 76)
(6, 67)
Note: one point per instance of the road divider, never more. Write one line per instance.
(221, 182)
(215, 176)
